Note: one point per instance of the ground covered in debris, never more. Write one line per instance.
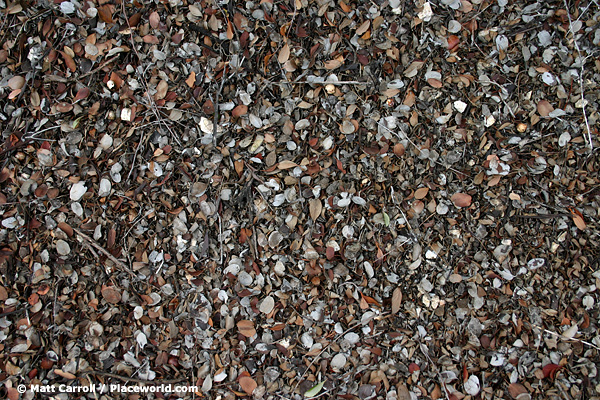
(289, 199)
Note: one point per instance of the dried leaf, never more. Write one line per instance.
(239, 110)
(396, 300)
(550, 370)
(284, 54)
(413, 69)
(105, 13)
(191, 80)
(363, 27)
(544, 108)
(461, 199)
(248, 384)
(286, 164)
(333, 64)
(246, 328)
(578, 220)
(154, 19)
(421, 193)
(316, 207)
(516, 389)
(69, 62)
(82, 94)
(111, 295)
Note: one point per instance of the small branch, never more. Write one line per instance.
(101, 249)
(566, 338)
(581, 72)
(328, 345)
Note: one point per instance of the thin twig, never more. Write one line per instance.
(566, 338)
(581, 73)
(328, 345)
(151, 102)
(112, 258)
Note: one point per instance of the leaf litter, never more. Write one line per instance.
(301, 199)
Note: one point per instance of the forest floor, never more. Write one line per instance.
(294, 198)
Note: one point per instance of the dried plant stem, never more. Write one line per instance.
(566, 338)
(151, 102)
(328, 345)
(101, 249)
(581, 73)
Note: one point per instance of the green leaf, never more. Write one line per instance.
(314, 390)
(386, 219)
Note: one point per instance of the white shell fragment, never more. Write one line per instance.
(78, 190)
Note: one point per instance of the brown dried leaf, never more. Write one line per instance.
(246, 328)
(284, 54)
(363, 27)
(82, 94)
(66, 375)
(111, 295)
(154, 19)
(333, 64)
(316, 207)
(248, 384)
(161, 90)
(544, 108)
(66, 228)
(516, 389)
(16, 82)
(421, 193)
(69, 62)
(578, 220)
(461, 199)
(105, 14)
(239, 110)
(396, 300)
(286, 164)
(191, 80)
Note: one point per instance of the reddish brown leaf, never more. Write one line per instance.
(453, 42)
(110, 294)
(66, 228)
(248, 384)
(105, 14)
(82, 94)
(154, 19)
(239, 110)
(69, 62)
(551, 370)
(421, 193)
(516, 389)
(330, 253)
(461, 199)
(150, 39)
(246, 328)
